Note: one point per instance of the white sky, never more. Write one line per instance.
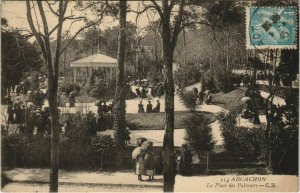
(15, 13)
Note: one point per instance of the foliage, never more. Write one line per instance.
(249, 142)
(236, 79)
(104, 146)
(246, 79)
(188, 75)
(198, 133)
(222, 78)
(75, 128)
(283, 137)
(18, 57)
(37, 98)
(102, 90)
(19, 151)
(68, 86)
(153, 69)
(189, 99)
(208, 82)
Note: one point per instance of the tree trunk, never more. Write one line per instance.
(52, 98)
(119, 103)
(169, 171)
(168, 143)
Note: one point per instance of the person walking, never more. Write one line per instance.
(150, 164)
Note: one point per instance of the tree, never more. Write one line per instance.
(18, 57)
(119, 103)
(198, 133)
(172, 24)
(171, 27)
(51, 57)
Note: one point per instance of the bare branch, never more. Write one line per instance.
(51, 9)
(158, 9)
(64, 19)
(33, 29)
(43, 16)
(172, 4)
(83, 28)
(62, 10)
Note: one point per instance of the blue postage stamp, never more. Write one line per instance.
(271, 28)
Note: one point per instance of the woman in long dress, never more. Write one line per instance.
(150, 164)
(140, 166)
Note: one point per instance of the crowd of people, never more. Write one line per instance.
(146, 91)
(149, 107)
(31, 120)
(148, 164)
(203, 96)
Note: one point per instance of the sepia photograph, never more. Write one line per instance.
(149, 96)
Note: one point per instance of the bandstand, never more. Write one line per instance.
(85, 66)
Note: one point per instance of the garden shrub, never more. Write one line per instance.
(222, 80)
(189, 99)
(67, 87)
(249, 142)
(37, 151)
(188, 75)
(246, 79)
(12, 146)
(236, 79)
(198, 133)
(19, 151)
(104, 148)
(37, 98)
(208, 81)
(102, 90)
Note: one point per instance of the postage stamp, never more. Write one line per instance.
(271, 28)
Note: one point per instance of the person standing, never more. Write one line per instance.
(10, 112)
(72, 99)
(201, 96)
(140, 166)
(157, 107)
(141, 107)
(186, 160)
(150, 164)
(127, 136)
(149, 107)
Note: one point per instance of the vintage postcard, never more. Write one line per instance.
(149, 96)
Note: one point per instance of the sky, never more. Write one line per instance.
(15, 13)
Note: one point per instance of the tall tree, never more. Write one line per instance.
(56, 9)
(174, 15)
(18, 56)
(119, 105)
(169, 33)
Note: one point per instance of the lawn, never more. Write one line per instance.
(156, 121)
(229, 100)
